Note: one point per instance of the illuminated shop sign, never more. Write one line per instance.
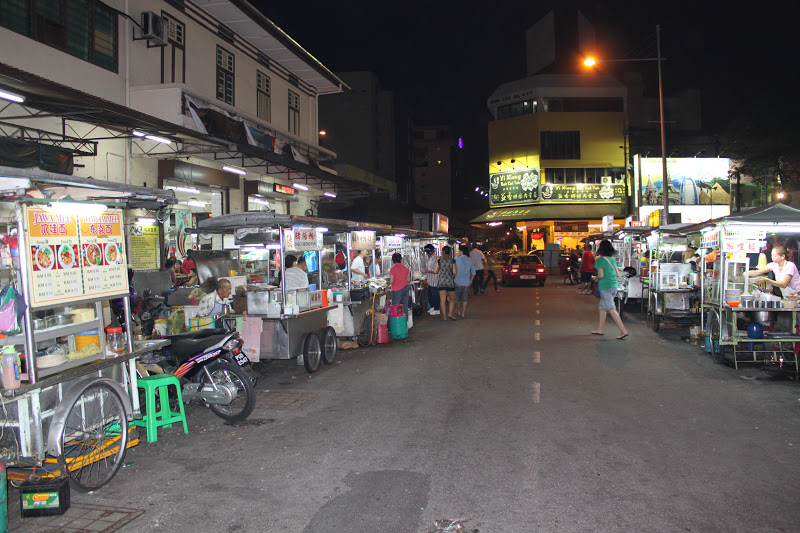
(283, 189)
(524, 187)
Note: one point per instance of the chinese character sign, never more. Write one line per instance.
(362, 240)
(519, 187)
(746, 246)
(304, 239)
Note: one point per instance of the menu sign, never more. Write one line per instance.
(55, 271)
(143, 251)
(517, 187)
(301, 239)
(362, 240)
(73, 256)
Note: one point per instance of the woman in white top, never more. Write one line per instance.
(787, 278)
(358, 272)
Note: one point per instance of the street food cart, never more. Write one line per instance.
(671, 295)
(752, 325)
(630, 245)
(283, 323)
(74, 400)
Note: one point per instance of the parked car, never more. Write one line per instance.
(523, 268)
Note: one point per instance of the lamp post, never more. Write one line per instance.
(589, 62)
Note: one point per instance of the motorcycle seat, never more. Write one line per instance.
(199, 334)
(185, 348)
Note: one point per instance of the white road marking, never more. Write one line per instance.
(537, 311)
(537, 336)
(537, 357)
(537, 322)
(536, 393)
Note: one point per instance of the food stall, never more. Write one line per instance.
(631, 245)
(672, 295)
(281, 323)
(750, 324)
(69, 395)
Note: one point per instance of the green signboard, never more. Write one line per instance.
(523, 187)
(581, 193)
(518, 187)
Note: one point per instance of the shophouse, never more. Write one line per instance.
(557, 152)
(207, 98)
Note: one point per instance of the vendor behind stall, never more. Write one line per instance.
(214, 303)
(296, 276)
(787, 278)
(399, 276)
(358, 268)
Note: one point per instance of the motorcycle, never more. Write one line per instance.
(572, 275)
(212, 370)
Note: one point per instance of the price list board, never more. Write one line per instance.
(105, 268)
(72, 257)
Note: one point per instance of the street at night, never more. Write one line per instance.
(515, 419)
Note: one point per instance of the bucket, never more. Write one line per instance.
(201, 322)
(383, 334)
(398, 327)
(396, 310)
(85, 338)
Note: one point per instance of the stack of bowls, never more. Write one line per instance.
(733, 295)
(748, 300)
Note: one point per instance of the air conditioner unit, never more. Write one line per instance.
(154, 28)
(606, 180)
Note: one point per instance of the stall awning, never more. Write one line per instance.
(770, 214)
(550, 212)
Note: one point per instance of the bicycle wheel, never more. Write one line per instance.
(94, 437)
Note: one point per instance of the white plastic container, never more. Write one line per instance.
(10, 365)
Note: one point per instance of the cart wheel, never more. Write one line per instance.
(94, 437)
(329, 346)
(715, 330)
(656, 322)
(312, 353)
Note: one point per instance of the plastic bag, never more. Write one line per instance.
(176, 322)
(12, 307)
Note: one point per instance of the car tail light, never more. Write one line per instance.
(514, 270)
(539, 270)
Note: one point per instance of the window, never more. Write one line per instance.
(225, 70)
(561, 145)
(173, 65)
(86, 29)
(583, 104)
(516, 109)
(589, 175)
(294, 113)
(262, 95)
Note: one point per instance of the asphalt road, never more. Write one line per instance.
(515, 418)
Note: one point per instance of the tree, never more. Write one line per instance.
(765, 139)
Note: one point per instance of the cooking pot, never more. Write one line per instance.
(693, 279)
(755, 330)
(58, 320)
(39, 323)
(764, 317)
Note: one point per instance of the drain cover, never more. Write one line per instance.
(78, 519)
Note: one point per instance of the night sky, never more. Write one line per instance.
(447, 57)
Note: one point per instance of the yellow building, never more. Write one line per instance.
(557, 151)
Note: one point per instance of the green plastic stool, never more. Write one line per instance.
(163, 417)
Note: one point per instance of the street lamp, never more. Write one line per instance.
(589, 62)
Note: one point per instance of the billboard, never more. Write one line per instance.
(692, 181)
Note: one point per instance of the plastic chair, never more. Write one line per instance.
(164, 417)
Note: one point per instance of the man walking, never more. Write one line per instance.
(478, 261)
(465, 275)
(433, 278)
(587, 269)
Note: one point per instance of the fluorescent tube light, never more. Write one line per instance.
(235, 170)
(322, 229)
(158, 139)
(138, 133)
(298, 186)
(146, 221)
(330, 195)
(259, 201)
(187, 189)
(194, 202)
(5, 95)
